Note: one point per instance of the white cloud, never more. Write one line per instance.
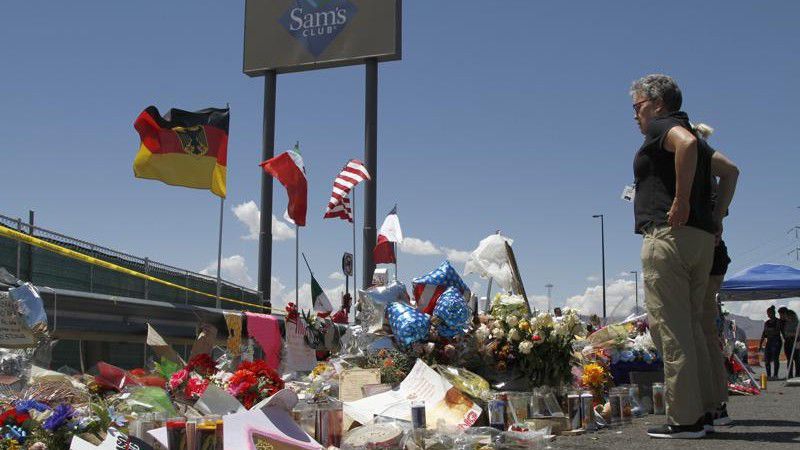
(456, 256)
(592, 278)
(250, 216)
(234, 269)
(757, 310)
(414, 246)
(338, 276)
(620, 299)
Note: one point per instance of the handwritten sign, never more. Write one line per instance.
(13, 332)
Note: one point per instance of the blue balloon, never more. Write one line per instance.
(408, 324)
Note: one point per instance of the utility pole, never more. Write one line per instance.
(603, 255)
(636, 280)
(549, 287)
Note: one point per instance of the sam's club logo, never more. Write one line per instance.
(316, 23)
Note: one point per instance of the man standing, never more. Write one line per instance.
(772, 336)
(673, 211)
(725, 175)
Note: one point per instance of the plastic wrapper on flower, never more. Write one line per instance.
(29, 304)
(373, 302)
(452, 309)
(490, 260)
(149, 399)
(465, 381)
(408, 324)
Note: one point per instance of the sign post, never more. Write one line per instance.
(283, 36)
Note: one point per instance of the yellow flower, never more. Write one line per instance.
(524, 325)
(593, 375)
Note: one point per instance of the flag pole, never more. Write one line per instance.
(394, 248)
(355, 272)
(219, 252)
(297, 265)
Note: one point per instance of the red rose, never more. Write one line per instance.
(536, 338)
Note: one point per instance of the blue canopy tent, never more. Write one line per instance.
(763, 282)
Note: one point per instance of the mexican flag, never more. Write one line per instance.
(289, 170)
(318, 297)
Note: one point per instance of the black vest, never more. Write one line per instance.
(654, 173)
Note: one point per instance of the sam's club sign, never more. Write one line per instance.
(294, 35)
(316, 23)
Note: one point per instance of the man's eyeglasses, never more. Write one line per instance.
(637, 106)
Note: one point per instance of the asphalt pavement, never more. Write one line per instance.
(767, 421)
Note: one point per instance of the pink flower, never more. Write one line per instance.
(177, 379)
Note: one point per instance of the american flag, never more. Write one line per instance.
(354, 172)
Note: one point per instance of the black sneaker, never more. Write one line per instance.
(695, 431)
(708, 423)
(722, 418)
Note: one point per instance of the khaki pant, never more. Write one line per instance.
(719, 376)
(675, 264)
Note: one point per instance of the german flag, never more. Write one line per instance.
(184, 148)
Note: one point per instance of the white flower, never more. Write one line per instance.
(512, 321)
(525, 347)
(514, 335)
(482, 333)
(498, 333)
(543, 320)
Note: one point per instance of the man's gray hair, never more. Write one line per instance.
(659, 87)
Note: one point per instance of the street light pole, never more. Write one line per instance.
(636, 280)
(549, 287)
(603, 255)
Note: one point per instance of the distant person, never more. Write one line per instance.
(557, 312)
(673, 211)
(772, 351)
(788, 325)
(724, 175)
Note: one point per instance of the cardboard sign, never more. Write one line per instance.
(13, 332)
(352, 380)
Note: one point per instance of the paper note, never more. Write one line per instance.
(442, 401)
(351, 381)
(299, 356)
(13, 332)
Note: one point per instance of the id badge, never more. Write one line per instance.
(628, 193)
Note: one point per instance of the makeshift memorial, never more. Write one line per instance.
(428, 288)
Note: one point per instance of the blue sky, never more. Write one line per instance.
(511, 115)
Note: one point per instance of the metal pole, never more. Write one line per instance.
(488, 295)
(636, 287)
(31, 216)
(19, 250)
(146, 282)
(371, 161)
(265, 229)
(297, 266)
(549, 287)
(355, 259)
(603, 255)
(91, 270)
(219, 252)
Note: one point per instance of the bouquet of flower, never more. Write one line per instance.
(253, 381)
(191, 382)
(595, 378)
(394, 365)
(540, 347)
